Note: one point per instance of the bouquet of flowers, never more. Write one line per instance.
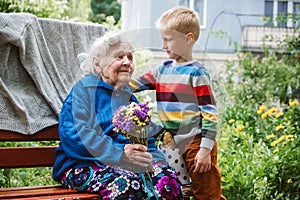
(133, 122)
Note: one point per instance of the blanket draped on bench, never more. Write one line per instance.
(38, 67)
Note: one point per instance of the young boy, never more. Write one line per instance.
(185, 101)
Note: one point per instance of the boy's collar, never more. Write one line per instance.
(182, 63)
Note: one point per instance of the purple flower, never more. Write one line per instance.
(144, 107)
(167, 187)
(128, 126)
(132, 121)
(140, 114)
(129, 118)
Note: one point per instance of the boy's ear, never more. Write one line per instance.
(190, 37)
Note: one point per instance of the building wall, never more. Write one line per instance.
(228, 16)
(138, 21)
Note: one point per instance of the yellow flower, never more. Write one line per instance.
(274, 143)
(135, 118)
(273, 109)
(279, 114)
(265, 115)
(262, 108)
(240, 128)
(281, 138)
(289, 137)
(276, 150)
(231, 120)
(142, 124)
(279, 127)
(269, 112)
(270, 136)
(259, 112)
(290, 181)
(294, 103)
(137, 108)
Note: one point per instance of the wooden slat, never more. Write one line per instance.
(21, 157)
(47, 134)
(28, 188)
(44, 192)
(34, 191)
(77, 196)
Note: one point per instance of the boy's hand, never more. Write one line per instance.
(202, 161)
(168, 140)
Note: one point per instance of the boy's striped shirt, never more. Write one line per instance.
(185, 101)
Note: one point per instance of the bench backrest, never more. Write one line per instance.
(22, 157)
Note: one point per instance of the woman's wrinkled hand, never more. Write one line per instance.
(137, 154)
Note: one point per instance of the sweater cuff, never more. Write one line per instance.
(207, 143)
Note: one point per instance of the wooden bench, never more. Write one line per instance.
(27, 157)
(42, 156)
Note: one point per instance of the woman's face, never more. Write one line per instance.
(116, 67)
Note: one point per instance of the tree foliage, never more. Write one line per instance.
(72, 10)
(44, 9)
(104, 8)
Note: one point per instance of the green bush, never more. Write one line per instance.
(260, 125)
(259, 131)
(256, 80)
(26, 176)
(241, 162)
(258, 160)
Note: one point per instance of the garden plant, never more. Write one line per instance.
(260, 126)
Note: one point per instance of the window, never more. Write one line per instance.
(269, 11)
(296, 10)
(277, 8)
(200, 6)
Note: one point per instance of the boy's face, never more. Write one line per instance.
(176, 45)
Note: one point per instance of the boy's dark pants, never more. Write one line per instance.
(205, 186)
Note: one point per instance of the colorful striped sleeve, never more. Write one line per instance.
(146, 81)
(207, 105)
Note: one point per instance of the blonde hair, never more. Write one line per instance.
(180, 19)
(99, 48)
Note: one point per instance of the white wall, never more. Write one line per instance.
(227, 15)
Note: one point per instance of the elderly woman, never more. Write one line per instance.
(91, 156)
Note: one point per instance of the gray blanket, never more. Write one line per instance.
(38, 67)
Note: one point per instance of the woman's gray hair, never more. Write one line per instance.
(99, 49)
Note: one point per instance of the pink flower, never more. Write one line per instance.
(105, 194)
(167, 187)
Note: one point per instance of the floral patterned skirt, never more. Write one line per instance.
(117, 183)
